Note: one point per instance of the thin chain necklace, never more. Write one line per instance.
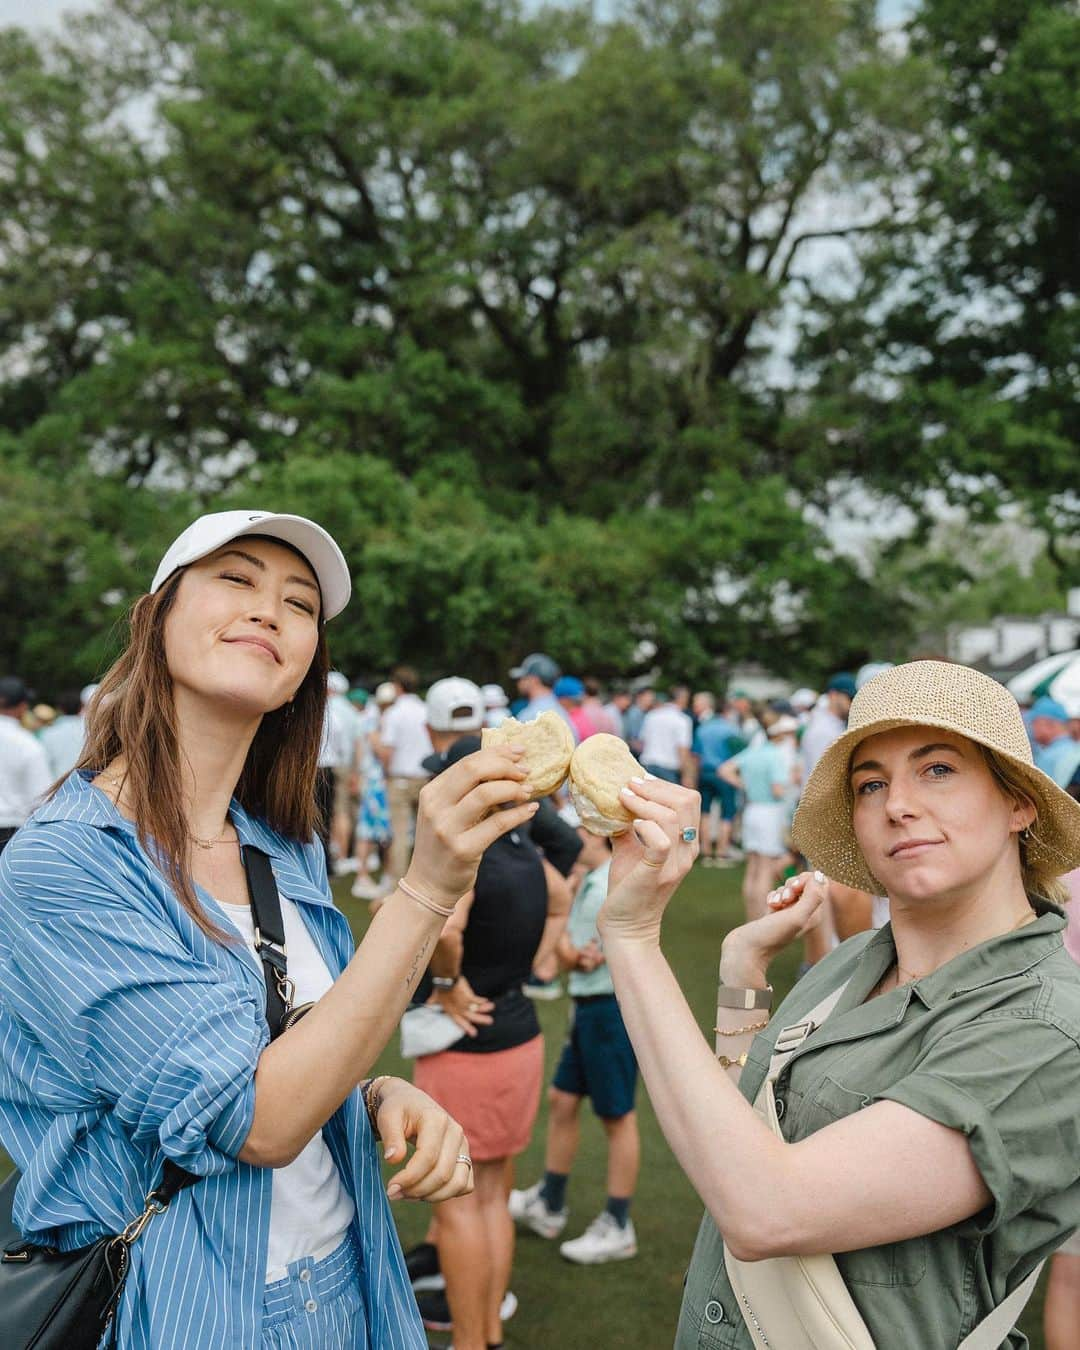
(1029, 917)
(118, 783)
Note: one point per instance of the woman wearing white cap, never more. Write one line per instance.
(888, 1160)
(148, 1020)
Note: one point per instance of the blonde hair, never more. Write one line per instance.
(1037, 877)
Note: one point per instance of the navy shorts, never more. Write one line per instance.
(713, 788)
(658, 771)
(598, 1060)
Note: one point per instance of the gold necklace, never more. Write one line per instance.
(199, 843)
(1029, 917)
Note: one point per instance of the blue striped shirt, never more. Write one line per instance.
(126, 1033)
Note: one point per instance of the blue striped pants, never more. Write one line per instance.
(318, 1305)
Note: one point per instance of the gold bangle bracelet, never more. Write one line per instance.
(741, 1031)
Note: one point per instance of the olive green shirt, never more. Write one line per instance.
(988, 1044)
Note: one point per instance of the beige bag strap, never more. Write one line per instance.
(792, 1037)
(995, 1326)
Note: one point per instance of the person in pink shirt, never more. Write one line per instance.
(594, 709)
(570, 692)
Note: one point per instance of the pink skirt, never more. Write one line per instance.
(493, 1097)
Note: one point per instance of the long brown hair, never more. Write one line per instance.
(133, 714)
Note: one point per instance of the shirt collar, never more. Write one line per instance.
(76, 800)
(999, 958)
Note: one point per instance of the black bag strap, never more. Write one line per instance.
(269, 934)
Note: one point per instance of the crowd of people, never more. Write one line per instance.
(941, 817)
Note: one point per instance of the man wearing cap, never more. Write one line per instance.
(24, 767)
(536, 678)
(496, 705)
(570, 691)
(1056, 753)
(828, 721)
(405, 744)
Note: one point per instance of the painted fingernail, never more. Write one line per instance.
(393, 1191)
(533, 808)
(639, 779)
(653, 777)
(819, 877)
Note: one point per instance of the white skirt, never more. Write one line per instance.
(763, 828)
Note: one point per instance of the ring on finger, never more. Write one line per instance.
(689, 834)
(464, 1158)
(649, 863)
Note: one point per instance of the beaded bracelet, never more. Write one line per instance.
(371, 1094)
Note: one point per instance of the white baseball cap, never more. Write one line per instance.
(803, 699)
(386, 693)
(783, 726)
(455, 704)
(210, 532)
(494, 696)
(337, 683)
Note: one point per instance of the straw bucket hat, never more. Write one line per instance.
(929, 694)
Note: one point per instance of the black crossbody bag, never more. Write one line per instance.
(53, 1300)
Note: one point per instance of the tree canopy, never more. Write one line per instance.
(495, 292)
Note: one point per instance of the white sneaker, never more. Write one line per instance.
(528, 1208)
(374, 862)
(344, 865)
(602, 1241)
(364, 888)
(507, 1309)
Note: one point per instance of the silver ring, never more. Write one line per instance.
(689, 835)
(464, 1158)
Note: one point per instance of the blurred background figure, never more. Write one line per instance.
(536, 677)
(667, 735)
(764, 772)
(62, 740)
(635, 715)
(570, 691)
(496, 705)
(373, 833)
(24, 767)
(404, 744)
(716, 739)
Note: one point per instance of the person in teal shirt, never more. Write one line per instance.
(597, 1062)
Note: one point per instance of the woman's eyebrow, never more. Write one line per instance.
(921, 753)
(258, 562)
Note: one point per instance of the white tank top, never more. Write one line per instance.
(310, 1209)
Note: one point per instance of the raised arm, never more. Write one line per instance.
(885, 1174)
(305, 1075)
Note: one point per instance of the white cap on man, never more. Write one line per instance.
(337, 683)
(783, 726)
(455, 704)
(494, 696)
(209, 533)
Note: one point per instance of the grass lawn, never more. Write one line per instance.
(631, 1305)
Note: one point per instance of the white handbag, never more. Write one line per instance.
(427, 1030)
(802, 1302)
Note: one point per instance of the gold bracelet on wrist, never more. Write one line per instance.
(741, 1031)
(739, 1062)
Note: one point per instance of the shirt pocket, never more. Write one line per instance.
(892, 1264)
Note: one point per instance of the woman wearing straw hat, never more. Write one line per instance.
(919, 1154)
(165, 921)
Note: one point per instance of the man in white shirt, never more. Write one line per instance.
(404, 745)
(667, 734)
(24, 767)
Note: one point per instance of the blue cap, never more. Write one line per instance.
(1048, 707)
(843, 683)
(568, 686)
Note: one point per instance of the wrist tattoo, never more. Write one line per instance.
(418, 964)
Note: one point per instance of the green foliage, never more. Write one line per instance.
(487, 288)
